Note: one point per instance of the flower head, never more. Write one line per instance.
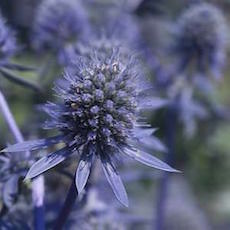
(8, 48)
(98, 117)
(201, 37)
(58, 23)
(7, 41)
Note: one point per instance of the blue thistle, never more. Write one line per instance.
(7, 41)
(58, 23)
(201, 37)
(8, 48)
(98, 117)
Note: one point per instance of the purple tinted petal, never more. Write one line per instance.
(115, 181)
(141, 132)
(33, 144)
(148, 160)
(153, 143)
(83, 171)
(47, 162)
(152, 103)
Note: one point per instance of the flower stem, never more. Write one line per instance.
(10, 119)
(170, 123)
(67, 207)
(38, 183)
(72, 196)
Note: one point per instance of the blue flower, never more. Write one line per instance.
(8, 48)
(58, 23)
(98, 117)
(201, 37)
(7, 41)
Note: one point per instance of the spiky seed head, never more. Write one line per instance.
(201, 36)
(99, 102)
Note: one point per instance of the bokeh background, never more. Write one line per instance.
(199, 198)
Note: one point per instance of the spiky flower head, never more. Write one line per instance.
(58, 23)
(98, 117)
(201, 37)
(7, 41)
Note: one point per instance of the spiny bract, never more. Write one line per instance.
(99, 118)
(201, 36)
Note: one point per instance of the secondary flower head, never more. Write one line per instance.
(8, 48)
(201, 37)
(59, 22)
(7, 41)
(98, 117)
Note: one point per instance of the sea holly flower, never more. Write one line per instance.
(7, 41)
(8, 48)
(97, 118)
(201, 37)
(59, 23)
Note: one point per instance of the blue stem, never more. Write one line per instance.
(67, 207)
(170, 123)
(39, 223)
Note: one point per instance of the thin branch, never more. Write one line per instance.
(170, 123)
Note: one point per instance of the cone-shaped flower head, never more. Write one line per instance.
(201, 37)
(7, 41)
(59, 22)
(98, 117)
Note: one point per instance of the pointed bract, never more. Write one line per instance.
(33, 144)
(115, 181)
(148, 160)
(83, 171)
(47, 163)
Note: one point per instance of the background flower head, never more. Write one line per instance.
(201, 38)
(58, 23)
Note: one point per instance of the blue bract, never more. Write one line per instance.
(98, 117)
